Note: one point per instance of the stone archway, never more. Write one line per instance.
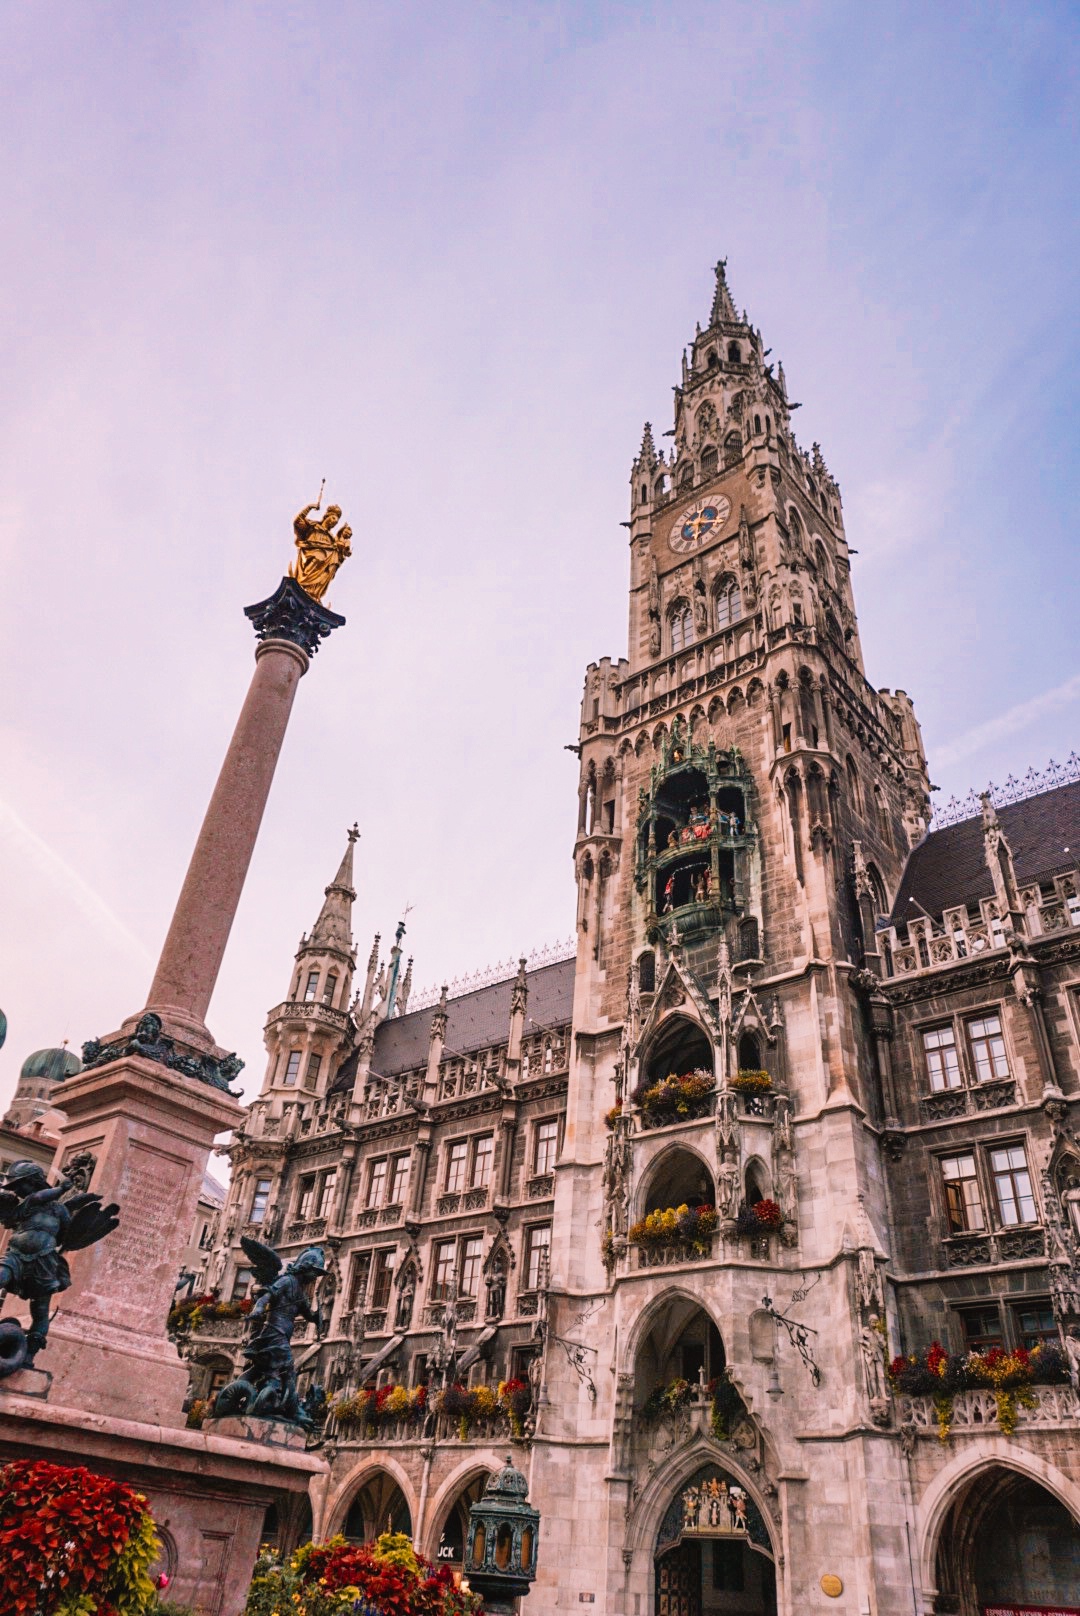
(1007, 1542)
(713, 1551)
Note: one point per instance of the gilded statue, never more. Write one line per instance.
(319, 550)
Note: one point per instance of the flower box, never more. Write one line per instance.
(676, 1098)
(1009, 1376)
(748, 1082)
(691, 1227)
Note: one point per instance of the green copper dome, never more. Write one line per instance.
(54, 1064)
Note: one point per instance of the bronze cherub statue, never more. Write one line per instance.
(33, 1267)
(267, 1387)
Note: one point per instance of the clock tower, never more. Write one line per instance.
(746, 804)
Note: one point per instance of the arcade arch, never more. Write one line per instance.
(1006, 1538)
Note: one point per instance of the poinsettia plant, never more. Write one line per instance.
(385, 1405)
(73, 1543)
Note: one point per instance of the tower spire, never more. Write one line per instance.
(723, 309)
(333, 929)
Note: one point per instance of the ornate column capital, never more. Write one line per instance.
(291, 614)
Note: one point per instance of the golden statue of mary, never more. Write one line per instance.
(319, 550)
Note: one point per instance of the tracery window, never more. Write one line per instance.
(942, 1059)
(728, 602)
(1012, 1185)
(682, 625)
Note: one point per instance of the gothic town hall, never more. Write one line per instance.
(754, 1225)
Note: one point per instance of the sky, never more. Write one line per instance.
(447, 257)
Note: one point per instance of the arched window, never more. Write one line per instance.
(877, 891)
(882, 817)
(644, 492)
(821, 561)
(661, 487)
(713, 359)
(734, 353)
(832, 628)
(682, 625)
(854, 790)
(749, 1053)
(795, 525)
(647, 972)
(728, 602)
(709, 461)
(732, 449)
(686, 475)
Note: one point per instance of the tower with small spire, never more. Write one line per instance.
(312, 1028)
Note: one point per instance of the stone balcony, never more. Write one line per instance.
(984, 1249)
(975, 1412)
(962, 1102)
(671, 1256)
(446, 1428)
(313, 1013)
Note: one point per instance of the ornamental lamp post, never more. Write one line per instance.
(500, 1549)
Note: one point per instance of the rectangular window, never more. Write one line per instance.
(313, 1065)
(537, 1248)
(377, 1182)
(330, 989)
(471, 1250)
(380, 1284)
(326, 1194)
(982, 1328)
(305, 1199)
(399, 1182)
(444, 1270)
(547, 1138)
(997, 931)
(292, 1066)
(483, 1156)
(1035, 1324)
(241, 1284)
(987, 1048)
(258, 1201)
(358, 1279)
(456, 1161)
(963, 1203)
(420, 1374)
(312, 985)
(1012, 1185)
(1072, 904)
(942, 1061)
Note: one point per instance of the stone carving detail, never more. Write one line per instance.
(149, 1042)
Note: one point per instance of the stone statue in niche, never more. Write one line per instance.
(728, 1186)
(403, 1316)
(496, 1288)
(873, 1355)
(267, 1387)
(33, 1267)
(1072, 1355)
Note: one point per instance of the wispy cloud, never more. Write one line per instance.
(1007, 723)
(30, 848)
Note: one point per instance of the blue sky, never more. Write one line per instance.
(448, 256)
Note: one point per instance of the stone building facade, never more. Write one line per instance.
(802, 1101)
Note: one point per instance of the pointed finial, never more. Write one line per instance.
(722, 306)
(354, 833)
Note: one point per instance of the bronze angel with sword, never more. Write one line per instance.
(44, 1226)
(267, 1387)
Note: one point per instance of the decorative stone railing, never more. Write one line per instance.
(447, 1428)
(305, 1229)
(454, 1084)
(383, 1100)
(704, 1107)
(220, 1329)
(976, 1411)
(1001, 1245)
(391, 1214)
(669, 1256)
(540, 1187)
(312, 1012)
(366, 1217)
(951, 1103)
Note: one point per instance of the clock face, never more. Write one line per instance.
(699, 523)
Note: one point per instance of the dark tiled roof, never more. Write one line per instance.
(948, 869)
(475, 1021)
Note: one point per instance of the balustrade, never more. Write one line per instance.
(976, 1411)
(950, 1103)
(1002, 1245)
(680, 1251)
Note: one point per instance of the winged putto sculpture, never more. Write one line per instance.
(267, 1387)
(45, 1225)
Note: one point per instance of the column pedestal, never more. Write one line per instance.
(151, 1131)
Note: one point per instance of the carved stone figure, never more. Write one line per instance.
(403, 1316)
(654, 636)
(728, 1186)
(33, 1267)
(1072, 1354)
(496, 1289)
(873, 1360)
(267, 1387)
(319, 550)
